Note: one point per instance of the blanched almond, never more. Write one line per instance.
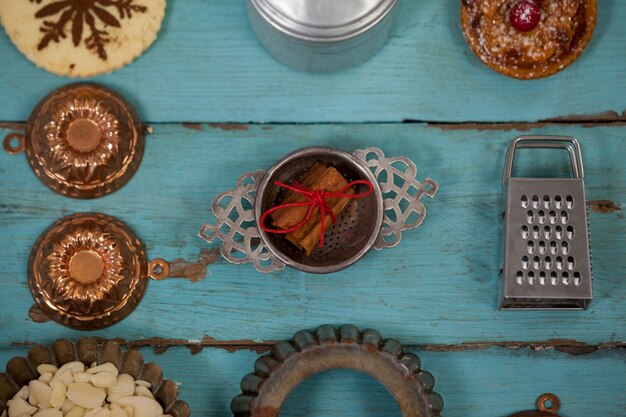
(143, 383)
(40, 394)
(82, 377)
(85, 395)
(128, 411)
(142, 406)
(47, 368)
(103, 379)
(49, 412)
(105, 412)
(143, 391)
(124, 387)
(116, 411)
(76, 412)
(92, 413)
(46, 377)
(106, 367)
(58, 394)
(75, 367)
(67, 404)
(18, 407)
(23, 393)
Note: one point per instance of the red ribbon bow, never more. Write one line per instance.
(315, 198)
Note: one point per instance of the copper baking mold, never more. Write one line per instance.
(82, 141)
(547, 406)
(20, 371)
(89, 271)
(311, 352)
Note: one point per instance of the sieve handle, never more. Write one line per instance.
(568, 143)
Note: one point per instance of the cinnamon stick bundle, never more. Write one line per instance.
(318, 177)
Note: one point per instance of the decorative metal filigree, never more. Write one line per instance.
(82, 165)
(401, 193)
(236, 228)
(241, 241)
(95, 15)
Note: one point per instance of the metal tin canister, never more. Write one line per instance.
(322, 35)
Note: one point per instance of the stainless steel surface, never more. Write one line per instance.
(322, 35)
(379, 219)
(310, 352)
(547, 260)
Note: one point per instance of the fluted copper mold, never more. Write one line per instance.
(83, 141)
(89, 271)
(310, 352)
(20, 371)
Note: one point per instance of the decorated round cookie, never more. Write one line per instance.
(82, 38)
(528, 39)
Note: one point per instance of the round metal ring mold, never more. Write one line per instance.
(21, 370)
(360, 222)
(84, 141)
(88, 271)
(307, 353)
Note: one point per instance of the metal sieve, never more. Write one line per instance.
(356, 228)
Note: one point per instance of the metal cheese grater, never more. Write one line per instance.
(547, 261)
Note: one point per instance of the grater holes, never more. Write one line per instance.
(553, 217)
(530, 247)
(564, 247)
(577, 279)
(535, 232)
(524, 232)
(524, 201)
(547, 262)
(531, 277)
(530, 216)
(519, 277)
(546, 201)
(554, 278)
(564, 217)
(525, 262)
(559, 262)
(535, 202)
(570, 232)
(558, 201)
(558, 232)
(571, 263)
(536, 262)
(542, 278)
(553, 247)
(542, 247)
(541, 216)
(547, 232)
(565, 278)
(569, 202)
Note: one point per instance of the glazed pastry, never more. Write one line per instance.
(528, 39)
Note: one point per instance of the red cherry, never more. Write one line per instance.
(525, 15)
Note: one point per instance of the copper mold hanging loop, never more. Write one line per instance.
(82, 141)
(543, 409)
(89, 271)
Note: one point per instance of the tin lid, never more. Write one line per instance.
(89, 270)
(84, 141)
(323, 20)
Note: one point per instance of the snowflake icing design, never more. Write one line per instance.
(81, 13)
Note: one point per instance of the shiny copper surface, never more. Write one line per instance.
(84, 141)
(547, 406)
(88, 271)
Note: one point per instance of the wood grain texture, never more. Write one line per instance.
(493, 383)
(439, 286)
(207, 65)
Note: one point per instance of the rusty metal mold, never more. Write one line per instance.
(547, 406)
(82, 141)
(89, 271)
(20, 371)
(307, 353)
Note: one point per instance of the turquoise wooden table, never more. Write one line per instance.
(220, 106)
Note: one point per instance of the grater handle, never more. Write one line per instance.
(570, 144)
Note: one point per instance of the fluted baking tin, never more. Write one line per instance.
(547, 261)
(322, 35)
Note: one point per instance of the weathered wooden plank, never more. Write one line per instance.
(484, 383)
(439, 286)
(208, 66)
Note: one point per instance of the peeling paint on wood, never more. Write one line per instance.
(193, 126)
(229, 126)
(604, 206)
(194, 271)
(568, 346)
(607, 116)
